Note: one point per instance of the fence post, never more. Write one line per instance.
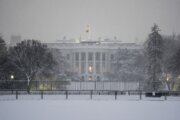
(140, 95)
(91, 94)
(165, 97)
(94, 85)
(51, 85)
(16, 95)
(36, 85)
(80, 85)
(41, 94)
(115, 95)
(103, 84)
(66, 94)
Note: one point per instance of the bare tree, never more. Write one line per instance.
(31, 57)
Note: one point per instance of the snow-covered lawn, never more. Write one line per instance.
(60, 109)
(88, 97)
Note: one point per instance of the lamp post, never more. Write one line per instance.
(12, 85)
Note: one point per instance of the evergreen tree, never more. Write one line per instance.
(3, 48)
(3, 58)
(153, 52)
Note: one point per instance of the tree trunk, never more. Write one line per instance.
(28, 83)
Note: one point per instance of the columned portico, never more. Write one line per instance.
(89, 65)
(91, 60)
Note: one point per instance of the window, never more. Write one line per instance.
(97, 56)
(98, 78)
(82, 78)
(103, 67)
(67, 56)
(103, 56)
(83, 67)
(90, 77)
(98, 67)
(112, 57)
(83, 56)
(90, 56)
(77, 67)
(77, 56)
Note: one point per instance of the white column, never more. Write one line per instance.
(79, 63)
(101, 63)
(94, 65)
(74, 60)
(86, 69)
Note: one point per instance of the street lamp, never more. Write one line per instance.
(12, 77)
(167, 79)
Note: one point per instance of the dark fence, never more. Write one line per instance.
(140, 95)
(70, 85)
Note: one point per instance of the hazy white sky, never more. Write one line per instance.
(49, 20)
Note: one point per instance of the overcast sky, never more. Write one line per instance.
(50, 20)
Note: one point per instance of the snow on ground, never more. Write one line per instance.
(86, 109)
(87, 97)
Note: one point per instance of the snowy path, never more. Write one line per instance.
(89, 110)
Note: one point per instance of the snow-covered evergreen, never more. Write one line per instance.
(154, 52)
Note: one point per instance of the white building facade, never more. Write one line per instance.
(91, 60)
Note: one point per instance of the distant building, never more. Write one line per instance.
(91, 59)
(15, 39)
